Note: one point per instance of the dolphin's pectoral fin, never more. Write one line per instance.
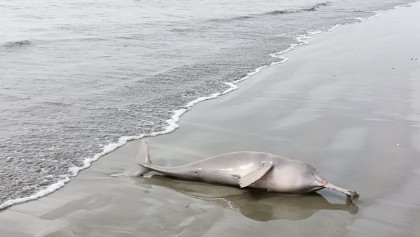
(255, 175)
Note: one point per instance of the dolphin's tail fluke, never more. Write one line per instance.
(142, 157)
(352, 194)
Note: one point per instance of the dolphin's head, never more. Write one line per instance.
(307, 179)
(319, 181)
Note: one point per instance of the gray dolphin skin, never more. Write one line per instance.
(244, 169)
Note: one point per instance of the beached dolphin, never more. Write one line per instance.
(244, 169)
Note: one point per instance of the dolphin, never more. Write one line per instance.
(246, 169)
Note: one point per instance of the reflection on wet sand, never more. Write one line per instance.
(254, 204)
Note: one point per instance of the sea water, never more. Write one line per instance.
(80, 78)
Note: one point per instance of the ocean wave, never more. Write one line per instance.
(275, 12)
(17, 44)
(299, 10)
(318, 5)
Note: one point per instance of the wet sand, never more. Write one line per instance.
(348, 103)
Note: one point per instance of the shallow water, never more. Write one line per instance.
(77, 75)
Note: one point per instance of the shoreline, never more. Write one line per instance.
(299, 102)
(173, 122)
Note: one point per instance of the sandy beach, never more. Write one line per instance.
(348, 103)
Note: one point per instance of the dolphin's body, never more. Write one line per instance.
(245, 169)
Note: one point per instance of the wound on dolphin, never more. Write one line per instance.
(249, 169)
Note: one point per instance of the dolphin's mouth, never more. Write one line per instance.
(320, 179)
(314, 189)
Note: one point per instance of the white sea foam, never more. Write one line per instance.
(315, 32)
(73, 171)
(37, 195)
(333, 28)
(232, 87)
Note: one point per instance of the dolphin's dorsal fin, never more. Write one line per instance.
(255, 175)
